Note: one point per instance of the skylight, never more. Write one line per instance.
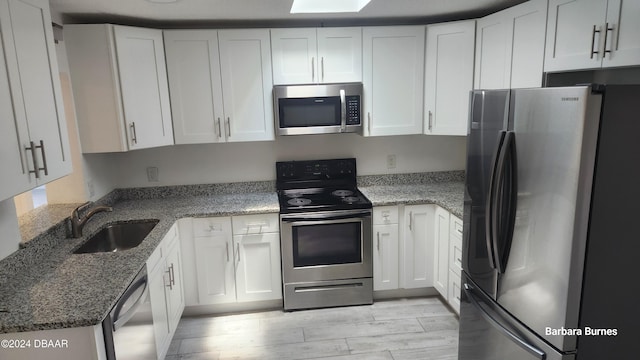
(327, 6)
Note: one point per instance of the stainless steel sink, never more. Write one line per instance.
(118, 237)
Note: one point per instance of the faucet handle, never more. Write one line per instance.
(76, 211)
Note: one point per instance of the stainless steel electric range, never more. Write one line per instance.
(325, 235)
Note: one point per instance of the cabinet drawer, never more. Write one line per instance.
(453, 297)
(455, 255)
(211, 226)
(456, 227)
(383, 215)
(255, 224)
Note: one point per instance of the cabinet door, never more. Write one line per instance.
(385, 257)
(418, 247)
(623, 41)
(294, 56)
(528, 23)
(143, 82)
(257, 259)
(215, 268)
(33, 71)
(493, 52)
(175, 292)
(453, 296)
(245, 61)
(340, 54)
(193, 68)
(448, 77)
(393, 79)
(441, 251)
(572, 34)
(158, 279)
(15, 176)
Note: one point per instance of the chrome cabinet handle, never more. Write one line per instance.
(172, 275)
(313, 69)
(134, 137)
(430, 120)
(44, 158)
(36, 169)
(593, 41)
(378, 246)
(606, 32)
(410, 220)
(369, 123)
(169, 285)
(322, 67)
(227, 126)
(238, 252)
(219, 129)
(227, 250)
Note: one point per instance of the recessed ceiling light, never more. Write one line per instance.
(327, 6)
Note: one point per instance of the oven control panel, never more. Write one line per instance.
(320, 170)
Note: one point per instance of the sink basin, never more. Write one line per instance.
(118, 237)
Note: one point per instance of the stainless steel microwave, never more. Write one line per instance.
(318, 109)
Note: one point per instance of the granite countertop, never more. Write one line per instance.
(448, 195)
(44, 286)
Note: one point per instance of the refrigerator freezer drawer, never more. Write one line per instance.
(487, 332)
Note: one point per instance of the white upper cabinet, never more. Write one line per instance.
(35, 144)
(120, 87)
(340, 53)
(448, 77)
(584, 34)
(393, 80)
(295, 56)
(247, 85)
(195, 84)
(220, 85)
(310, 55)
(510, 47)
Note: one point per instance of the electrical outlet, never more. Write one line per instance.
(152, 174)
(391, 161)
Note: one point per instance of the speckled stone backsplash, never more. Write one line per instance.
(412, 178)
(160, 192)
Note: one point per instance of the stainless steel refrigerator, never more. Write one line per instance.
(552, 201)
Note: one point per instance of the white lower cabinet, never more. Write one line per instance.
(441, 251)
(418, 241)
(385, 248)
(455, 263)
(258, 267)
(237, 259)
(164, 269)
(403, 254)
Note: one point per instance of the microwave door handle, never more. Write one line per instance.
(343, 111)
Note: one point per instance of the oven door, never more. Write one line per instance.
(330, 245)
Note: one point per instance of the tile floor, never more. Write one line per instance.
(417, 328)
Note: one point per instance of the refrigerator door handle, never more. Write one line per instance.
(502, 236)
(490, 211)
(468, 289)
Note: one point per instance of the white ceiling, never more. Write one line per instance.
(266, 10)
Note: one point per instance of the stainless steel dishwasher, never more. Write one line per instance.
(128, 329)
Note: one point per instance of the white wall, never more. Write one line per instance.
(233, 162)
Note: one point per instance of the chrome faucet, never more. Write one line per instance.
(77, 223)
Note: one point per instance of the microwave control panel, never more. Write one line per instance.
(353, 109)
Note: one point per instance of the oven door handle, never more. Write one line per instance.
(312, 218)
